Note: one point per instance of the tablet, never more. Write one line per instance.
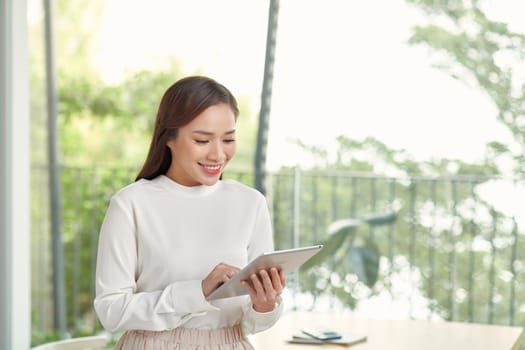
(287, 260)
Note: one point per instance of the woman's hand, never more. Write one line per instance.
(220, 274)
(265, 288)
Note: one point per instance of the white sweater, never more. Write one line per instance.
(157, 242)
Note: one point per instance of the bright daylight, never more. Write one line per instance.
(271, 174)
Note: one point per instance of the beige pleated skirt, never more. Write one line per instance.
(230, 338)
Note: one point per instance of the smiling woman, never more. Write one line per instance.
(203, 147)
(179, 232)
(193, 104)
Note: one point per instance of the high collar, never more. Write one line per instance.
(190, 191)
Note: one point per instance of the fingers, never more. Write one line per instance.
(220, 274)
(230, 269)
(223, 272)
(256, 282)
(282, 276)
(264, 288)
(278, 279)
(269, 281)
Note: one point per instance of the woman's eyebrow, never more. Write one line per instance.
(209, 133)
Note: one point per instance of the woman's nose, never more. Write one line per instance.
(216, 152)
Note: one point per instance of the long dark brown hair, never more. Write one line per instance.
(181, 103)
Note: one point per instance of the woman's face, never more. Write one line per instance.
(203, 147)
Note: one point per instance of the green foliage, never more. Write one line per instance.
(373, 156)
(113, 124)
(38, 338)
(364, 261)
(74, 37)
(246, 137)
(344, 255)
(486, 51)
(331, 246)
(110, 124)
(431, 225)
(86, 193)
(381, 219)
(77, 96)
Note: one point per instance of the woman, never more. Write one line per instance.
(177, 233)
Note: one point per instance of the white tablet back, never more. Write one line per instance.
(287, 260)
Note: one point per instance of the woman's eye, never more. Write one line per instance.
(201, 141)
(229, 140)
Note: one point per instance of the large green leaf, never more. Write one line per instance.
(381, 219)
(330, 247)
(364, 261)
(347, 225)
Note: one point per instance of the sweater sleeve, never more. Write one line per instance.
(117, 303)
(261, 241)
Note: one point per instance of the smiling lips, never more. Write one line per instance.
(211, 169)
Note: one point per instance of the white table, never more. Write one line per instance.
(391, 334)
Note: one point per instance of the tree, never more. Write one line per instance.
(427, 222)
(469, 46)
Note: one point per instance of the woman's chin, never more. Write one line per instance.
(210, 180)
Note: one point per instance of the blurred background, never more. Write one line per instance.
(392, 131)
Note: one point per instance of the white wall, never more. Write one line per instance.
(15, 291)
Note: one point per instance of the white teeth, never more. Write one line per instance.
(212, 167)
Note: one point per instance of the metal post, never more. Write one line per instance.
(57, 248)
(15, 272)
(262, 132)
(296, 207)
(513, 262)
